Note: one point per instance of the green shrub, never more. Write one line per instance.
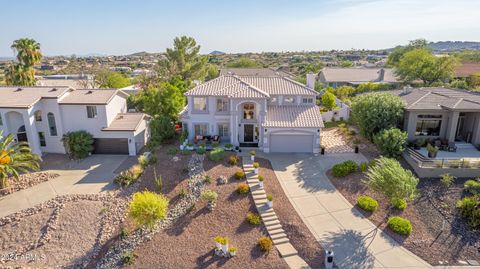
(162, 129)
(388, 177)
(265, 243)
(261, 178)
(216, 154)
(253, 152)
(253, 218)
(269, 197)
(233, 159)
(400, 225)
(137, 171)
(344, 169)
(208, 179)
(201, 151)
(469, 208)
(143, 161)
(185, 152)
(239, 174)
(78, 144)
(399, 204)
(256, 165)
(243, 188)
(211, 197)
(153, 159)
(472, 186)
(391, 142)
(124, 233)
(172, 151)
(127, 258)
(146, 208)
(363, 166)
(125, 178)
(367, 203)
(447, 180)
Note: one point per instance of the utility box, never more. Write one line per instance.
(329, 259)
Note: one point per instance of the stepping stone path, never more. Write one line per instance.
(270, 219)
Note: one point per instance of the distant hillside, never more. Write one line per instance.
(140, 54)
(217, 52)
(454, 45)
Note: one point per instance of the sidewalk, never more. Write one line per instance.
(336, 224)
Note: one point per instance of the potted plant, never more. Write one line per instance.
(228, 146)
(432, 151)
(260, 181)
(224, 244)
(252, 155)
(232, 251)
(270, 200)
(215, 144)
(419, 143)
(218, 242)
(189, 146)
(256, 166)
(202, 145)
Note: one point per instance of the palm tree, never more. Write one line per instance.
(28, 51)
(15, 157)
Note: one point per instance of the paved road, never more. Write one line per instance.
(338, 226)
(92, 175)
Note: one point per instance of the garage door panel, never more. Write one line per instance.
(291, 143)
(110, 146)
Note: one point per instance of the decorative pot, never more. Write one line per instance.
(189, 148)
(270, 204)
(252, 157)
(182, 147)
(432, 154)
(255, 170)
(233, 253)
(261, 184)
(225, 248)
(218, 245)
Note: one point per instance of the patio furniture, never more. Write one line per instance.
(207, 139)
(452, 147)
(440, 145)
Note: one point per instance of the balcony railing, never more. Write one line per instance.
(424, 162)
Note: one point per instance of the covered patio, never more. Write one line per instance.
(464, 150)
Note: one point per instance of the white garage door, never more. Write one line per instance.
(291, 143)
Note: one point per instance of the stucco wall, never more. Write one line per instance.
(118, 104)
(76, 119)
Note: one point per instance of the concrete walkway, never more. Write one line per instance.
(270, 219)
(92, 175)
(336, 224)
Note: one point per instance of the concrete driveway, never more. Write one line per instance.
(92, 175)
(336, 224)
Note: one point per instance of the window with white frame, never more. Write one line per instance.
(273, 100)
(307, 100)
(289, 100)
(200, 103)
(200, 129)
(52, 125)
(222, 105)
(223, 130)
(41, 138)
(91, 112)
(38, 115)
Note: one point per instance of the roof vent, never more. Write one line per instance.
(89, 92)
(53, 90)
(120, 117)
(18, 90)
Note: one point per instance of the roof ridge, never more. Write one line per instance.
(300, 84)
(419, 99)
(458, 102)
(251, 86)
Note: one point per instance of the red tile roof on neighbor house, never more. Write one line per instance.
(464, 70)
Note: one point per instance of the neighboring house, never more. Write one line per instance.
(464, 70)
(450, 114)
(257, 72)
(42, 115)
(72, 81)
(275, 113)
(336, 77)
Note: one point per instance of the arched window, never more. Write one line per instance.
(51, 124)
(248, 111)
(22, 134)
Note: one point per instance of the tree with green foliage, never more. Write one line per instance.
(21, 73)
(391, 142)
(147, 208)
(244, 62)
(329, 101)
(162, 129)
(165, 99)
(388, 177)
(346, 64)
(78, 144)
(395, 56)
(458, 84)
(106, 78)
(474, 81)
(183, 60)
(377, 111)
(212, 72)
(15, 158)
(344, 93)
(421, 64)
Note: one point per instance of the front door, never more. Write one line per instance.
(248, 133)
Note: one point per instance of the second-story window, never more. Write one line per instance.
(222, 105)
(52, 125)
(91, 112)
(289, 99)
(307, 100)
(248, 111)
(199, 103)
(38, 115)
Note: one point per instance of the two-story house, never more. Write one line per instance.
(42, 115)
(274, 113)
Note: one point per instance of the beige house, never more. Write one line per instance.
(336, 77)
(273, 113)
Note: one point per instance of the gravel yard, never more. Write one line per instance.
(26, 181)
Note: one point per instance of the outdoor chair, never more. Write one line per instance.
(452, 147)
(440, 146)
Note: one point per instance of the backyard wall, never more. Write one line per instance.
(436, 172)
(342, 113)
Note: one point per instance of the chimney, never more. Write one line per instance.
(407, 89)
(311, 80)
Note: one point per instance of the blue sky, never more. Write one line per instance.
(122, 27)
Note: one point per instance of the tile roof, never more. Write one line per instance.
(464, 70)
(24, 97)
(89, 96)
(261, 72)
(250, 87)
(126, 122)
(359, 75)
(72, 83)
(294, 117)
(438, 98)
